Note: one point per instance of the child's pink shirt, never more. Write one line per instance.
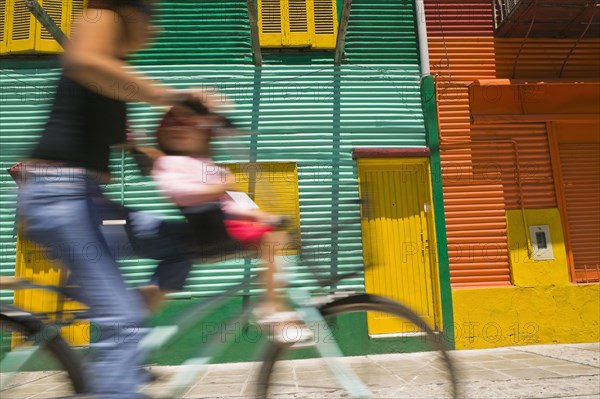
(185, 180)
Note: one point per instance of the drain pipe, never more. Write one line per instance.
(428, 103)
(422, 37)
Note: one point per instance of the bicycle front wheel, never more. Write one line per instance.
(35, 361)
(414, 365)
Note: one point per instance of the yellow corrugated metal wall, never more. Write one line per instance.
(37, 264)
(273, 186)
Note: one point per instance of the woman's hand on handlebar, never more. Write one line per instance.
(198, 101)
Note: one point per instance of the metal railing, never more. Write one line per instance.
(503, 8)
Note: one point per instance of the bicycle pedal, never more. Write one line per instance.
(303, 344)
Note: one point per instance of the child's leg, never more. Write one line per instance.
(272, 246)
(153, 296)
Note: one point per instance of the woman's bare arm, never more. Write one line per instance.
(93, 58)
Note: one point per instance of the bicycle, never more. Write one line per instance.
(35, 344)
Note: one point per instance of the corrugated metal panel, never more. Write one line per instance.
(462, 50)
(461, 60)
(476, 228)
(483, 176)
(459, 18)
(382, 31)
(580, 170)
(474, 203)
(24, 96)
(312, 115)
(544, 58)
(211, 31)
(522, 165)
(306, 112)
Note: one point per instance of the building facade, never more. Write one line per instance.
(519, 135)
(472, 209)
(316, 129)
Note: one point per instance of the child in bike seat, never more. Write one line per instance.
(201, 189)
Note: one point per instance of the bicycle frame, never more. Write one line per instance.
(161, 336)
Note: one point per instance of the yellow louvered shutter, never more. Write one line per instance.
(324, 34)
(270, 23)
(3, 26)
(75, 12)
(22, 33)
(298, 23)
(58, 10)
(22, 27)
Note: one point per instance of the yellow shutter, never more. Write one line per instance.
(297, 23)
(324, 33)
(75, 11)
(58, 10)
(3, 26)
(22, 27)
(21, 32)
(270, 23)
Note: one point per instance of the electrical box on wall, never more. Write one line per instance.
(541, 242)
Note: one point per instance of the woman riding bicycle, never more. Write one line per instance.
(61, 201)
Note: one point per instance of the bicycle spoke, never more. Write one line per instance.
(332, 355)
(424, 371)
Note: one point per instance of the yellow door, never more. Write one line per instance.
(398, 240)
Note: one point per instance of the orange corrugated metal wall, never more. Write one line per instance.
(516, 155)
(463, 49)
(580, 171)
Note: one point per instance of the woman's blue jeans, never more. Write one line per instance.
(57, 207)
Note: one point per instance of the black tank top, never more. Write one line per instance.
(82, 127)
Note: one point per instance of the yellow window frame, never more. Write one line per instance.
(274, 188)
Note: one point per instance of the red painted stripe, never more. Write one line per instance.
(389, 153)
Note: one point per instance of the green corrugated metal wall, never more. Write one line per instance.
(305, 109)
(206, 31)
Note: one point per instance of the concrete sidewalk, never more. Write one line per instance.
(541, 371)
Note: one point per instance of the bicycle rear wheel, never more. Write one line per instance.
(35, 360)
(428, 373)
